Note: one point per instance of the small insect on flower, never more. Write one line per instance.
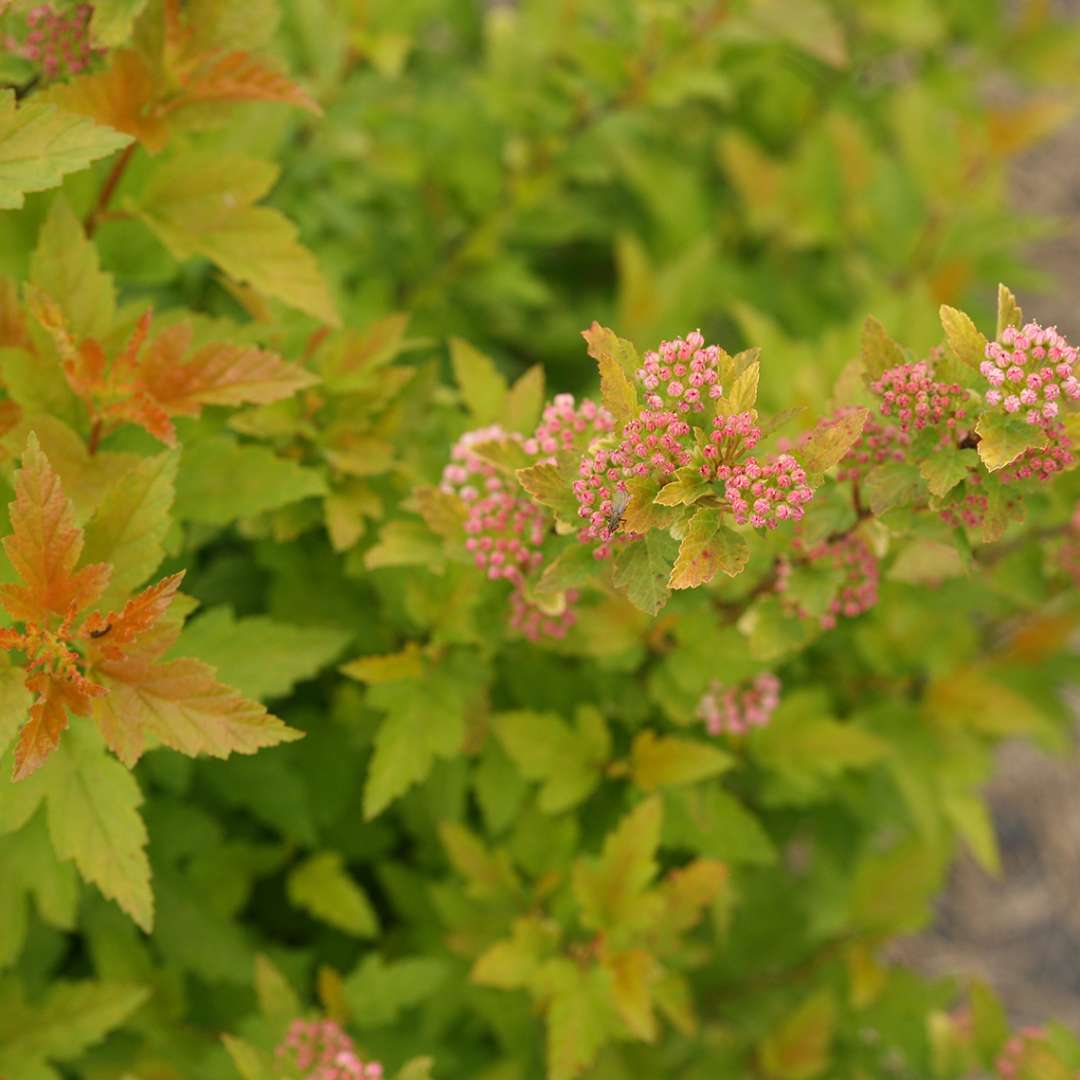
(619, 503)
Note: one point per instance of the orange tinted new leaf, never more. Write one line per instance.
(48, 719)
(111, 634)
(239, 76)
(45, 546)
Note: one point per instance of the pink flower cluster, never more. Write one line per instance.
(532, 623)
(917, 400)
(735, 710)
(566, 426)
(1042, 464)
(504, 528)
(654, 443)
(60, 42)
(320, 1050)
(602, 495)
(858, 591)
(1010, 1061)
(731, 437)
(878, 444)
(681, 374)
(1031, 371)
(768, 493)
(970, 507)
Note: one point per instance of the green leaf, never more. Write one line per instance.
(878, 351)
(274, 992)
(712, 822)
(549, 485)
(617, 360)
(707, 548)
(809, 25)
(65, 265)
(741, 395)
(971, 819)
(896, 483)
(966, 342)
(425, 719)
(1003, 438)
(1009, 313)
(684, 490)
(642, 569)
(525, 401)
(73, 1017)
(490, 876)
(258, 656)
(251, 1063)
(221, 480)
(610, 889)
(41, 144)
(581, 1016)
(799, 1047)
(128, 528)
(832, 439)
(377, 992)
(946, 467)
(513, 962)
(926, 561)
(566, 760)
(322, 886)
(203, 203)
(93, 812)
(113, 20)
(482, 387)
(666, 761)
(892, 890)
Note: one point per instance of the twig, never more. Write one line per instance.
(108, 189)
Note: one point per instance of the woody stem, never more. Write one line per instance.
(108, 189)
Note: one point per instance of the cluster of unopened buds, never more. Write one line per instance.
(858, 589)
(1043, 463)
(917, 400)
(504, 528)
(320, 1050)
(766, 493)
(730, 438)
(1031, 371)
(735, 710)
(533, 622)
(602, 495)
(58, 41)
(682, 374)
(1014, 1057)
(878, 444)
(567, 426)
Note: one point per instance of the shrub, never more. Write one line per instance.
(610, 736)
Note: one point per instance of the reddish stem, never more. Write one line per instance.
(108, 189)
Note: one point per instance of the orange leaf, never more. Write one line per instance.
(45, 546)
(40, 735)
(239, 76)
(110, 634)
(218, 374)
(183, 705)
(121, 97)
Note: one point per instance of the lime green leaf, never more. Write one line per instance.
(610, 889)
(878, 351)
(113, 20)
(642, 569)
(490, 876)
(482, 387)
(892, 890)
(322, 885)
(581, 1016)
(93, 808)
(514, 961)
(966, 342)
(275, 994)
(65, 266)
(41, 144)
(566, 760)
(809, 25)
(989, 1022)
(617, 360)
(684, 490)
(251, 1063)
(799, 1047)
(128, 527)
(419, 1068)
(670, 762)
(896, 483)
(221, 480)
(73, 1017)
(202, 203)
(832, 439)
(548, 484)
(741, 395)
(1009, 313)
(946, 467)
(971, 819)
(1003, 438)
(926, 561)
(525, 401)
(377, 992)
(707, 548)
(712, 822)
(262, 658)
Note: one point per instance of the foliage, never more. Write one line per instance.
(564, 737)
